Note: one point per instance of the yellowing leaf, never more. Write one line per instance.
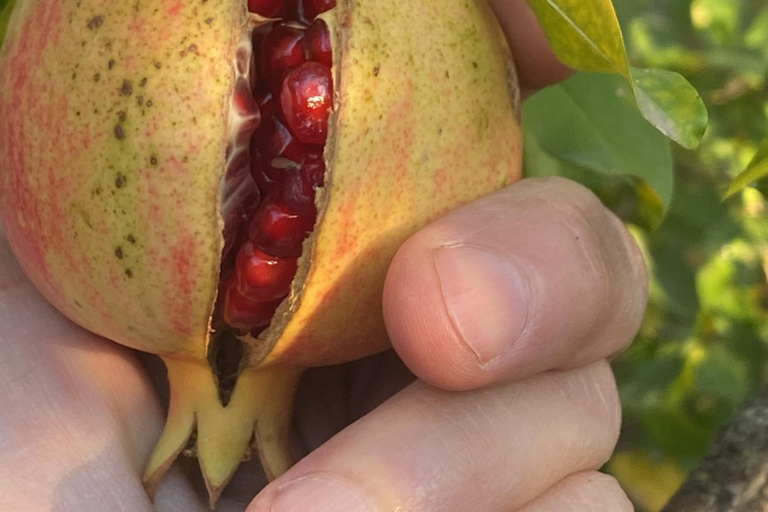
(584, 35)
(587, 36)
(756, 170)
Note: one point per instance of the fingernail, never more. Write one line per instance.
(317, 494)
(486, 296)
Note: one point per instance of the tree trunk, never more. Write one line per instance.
(733, 477)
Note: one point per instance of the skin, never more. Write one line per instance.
(498, 396)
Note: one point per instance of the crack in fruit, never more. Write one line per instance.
(224, 246)
(287, 119)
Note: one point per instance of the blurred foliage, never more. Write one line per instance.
(702, 349)
(5, 15)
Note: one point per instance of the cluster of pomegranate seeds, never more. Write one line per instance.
(293, 98)
(302, 11)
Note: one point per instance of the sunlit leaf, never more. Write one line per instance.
(671, 104)
(584, 35)
(587, 37)
(756, 170)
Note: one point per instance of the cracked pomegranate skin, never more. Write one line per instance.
(120, 139)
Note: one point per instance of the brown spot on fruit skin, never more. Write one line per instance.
(119, 253)
(95, 22)
(94, 149)
(127, 88)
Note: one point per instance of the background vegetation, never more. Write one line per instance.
(702, 350)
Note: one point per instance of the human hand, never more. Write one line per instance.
(79, 415)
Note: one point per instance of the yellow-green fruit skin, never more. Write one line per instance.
(112, 143)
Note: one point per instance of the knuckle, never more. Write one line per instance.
(602, 492)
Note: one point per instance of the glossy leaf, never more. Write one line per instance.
(590, 121)
(671, 104)
(587, 37)
(756, 170)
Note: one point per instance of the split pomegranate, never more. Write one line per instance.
(224, 184)
(286, 161)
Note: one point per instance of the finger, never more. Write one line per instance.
(588, 491)
(429, 450)
(537, 65)
(536, 277)
(77, 414)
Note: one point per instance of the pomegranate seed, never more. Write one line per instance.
(267, 8)
(267, 104)
(317, 44)
(320, 6)
(265, 184)
(277, 230)
(299, 186)
(263, 277)
(280, 52)
(306, 99)
(297, 10)
(244, 314)
(278, 149)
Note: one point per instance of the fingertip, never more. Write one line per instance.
(419, 326)
(538, 276)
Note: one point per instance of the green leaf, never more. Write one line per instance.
(671, 104)
(6, 6)
(590, 121)
(584, 35)
(756, 170)
(587, 36)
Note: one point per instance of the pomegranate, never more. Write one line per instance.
(224, 183)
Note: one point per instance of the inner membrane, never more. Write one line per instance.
(279, 121)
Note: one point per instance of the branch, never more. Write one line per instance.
(733, 477)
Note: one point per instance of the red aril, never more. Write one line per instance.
(261, 276)
(277, 230)
(244, 314)
(306, 99)
(280, 51)
(279, 151)
(319, 6)
(317, 44)
(299, 11)
(299, 186)
(267, 8)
